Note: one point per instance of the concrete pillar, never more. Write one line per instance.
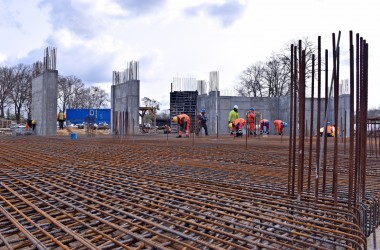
(44, 102)
(126, 97)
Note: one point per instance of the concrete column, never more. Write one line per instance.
(126, 97)
(44, 102)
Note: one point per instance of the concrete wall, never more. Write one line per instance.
(126, 97)
(272, 109)
(44, 102)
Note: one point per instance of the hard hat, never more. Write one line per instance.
(236, 107)
(285, 124)
(175, 119)
(252, 108)
(203, 110)
(230, 125)
(328, 123)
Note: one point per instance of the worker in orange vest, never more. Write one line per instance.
(183, 121)
(251, 120)
(330, 130)
(237, 126)
(264, 123)
(280, 125)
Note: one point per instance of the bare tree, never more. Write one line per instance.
(251, 81)
(21, 84)
(77, 101)
(151, 103)
(276, 77)
(91, 97)
(309, 48)
(5, 88)
(272, 78)
(68, 86)
(98, 97)
(28, 102)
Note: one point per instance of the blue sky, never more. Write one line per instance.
(178, 37)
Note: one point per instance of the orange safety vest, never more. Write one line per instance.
(187, 118)
(239, 121)
(279, 125)
(251, 117)
(329, 129)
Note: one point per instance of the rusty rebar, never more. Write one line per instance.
(311, 123)
(352, 117)
(290, 159)
(318, 139)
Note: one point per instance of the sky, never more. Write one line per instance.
(179, 38)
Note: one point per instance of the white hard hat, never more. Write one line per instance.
(236, 107)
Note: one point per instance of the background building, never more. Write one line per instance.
(77, 116)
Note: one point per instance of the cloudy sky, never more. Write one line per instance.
(181, 38)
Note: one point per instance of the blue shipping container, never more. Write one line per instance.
(77, 116)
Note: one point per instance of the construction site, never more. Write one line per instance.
(125, 190)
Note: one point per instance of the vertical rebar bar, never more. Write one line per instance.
(324, 124)
(311, 122)
(295, 80)
(246, 131)
(318, 120)
(365, 108)
(301, 105)
(290, 119)
(375, 135)
(345, 131)
(336, 118)
(352, 116)
(341, 130)
(357, 122)
(363, 122)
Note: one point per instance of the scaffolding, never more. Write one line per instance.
(184, 102)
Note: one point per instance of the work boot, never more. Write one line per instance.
(206, 134)
(179, 136)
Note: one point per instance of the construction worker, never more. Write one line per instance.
(167, 129)
(61, 118)
(33, 124)
(251, 120)
(238, 125)
(183, 121)
(264, 123)
(201, 123)
(330, 130)
(280, 125)
(234, 114)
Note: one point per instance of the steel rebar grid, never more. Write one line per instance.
(104, 191)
